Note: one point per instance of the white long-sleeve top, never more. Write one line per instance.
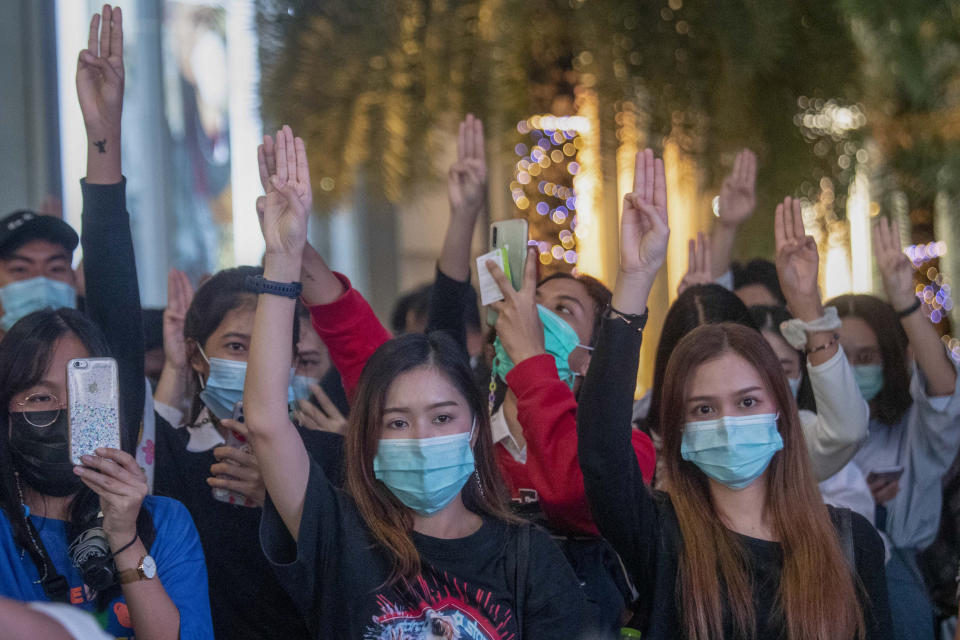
(925, 443)
(836, 431)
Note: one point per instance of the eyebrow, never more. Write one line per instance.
(436, 405)
(235, 334)
(736, 393)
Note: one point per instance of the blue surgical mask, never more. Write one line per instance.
(425, 474)
(223, 388)
(733, 450)
(794, 386)
(869, 378)
(23, 297)
(301, 386)
(559, 340)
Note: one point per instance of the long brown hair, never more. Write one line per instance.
(390, 522)
(817, 596)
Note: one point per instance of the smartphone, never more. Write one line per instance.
(512, 234)
(885, 475)
(93, 406)
(236, 441)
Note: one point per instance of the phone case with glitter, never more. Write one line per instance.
(93, 396)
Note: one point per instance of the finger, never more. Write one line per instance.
(235, 471)
(638, 172)
(236, 425)
(893, 239)
(104, 51)
(468, 136)
(530, 271)
(691, 255)
(234, 455)
(123, 460)
(779, 236)
(262, 167)
(479, 142)
(461, 142)
(289, 146)
(649, 171)
(237, 486)
(750, 178)
(103, 484)
(660, 189)
(707, 257)
(701, 253)
(799, 233)
(116, 34)
(880, 237)
(292, 197)
(303, 167)
(281, 158)
(325, 403)
(92, 36)
(506, 288)
(737, 167)
(270, 152)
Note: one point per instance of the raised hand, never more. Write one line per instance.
(895, 267)
(467, 179)
(296, 156)
(100, 79)
(699, 269)
(179, 297)
(738, 197)
(797, 262)
(285, 216)
(644, 230)
(518, 321)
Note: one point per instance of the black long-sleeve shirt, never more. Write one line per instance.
(113, 295)
(642, 525)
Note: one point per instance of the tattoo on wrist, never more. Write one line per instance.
(101, 145)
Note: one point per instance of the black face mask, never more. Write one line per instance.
(41, 455)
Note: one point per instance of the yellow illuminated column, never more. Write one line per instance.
(858, 215)
(591, 222)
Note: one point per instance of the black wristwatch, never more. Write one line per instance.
(259, 284)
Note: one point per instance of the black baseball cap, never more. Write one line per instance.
(20, 227)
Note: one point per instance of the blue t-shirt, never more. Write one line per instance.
(176, 550)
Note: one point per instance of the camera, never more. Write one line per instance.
(90, 554)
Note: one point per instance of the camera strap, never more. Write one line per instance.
(54, 584)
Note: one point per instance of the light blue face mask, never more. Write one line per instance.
(223, 388)
(425, 474)
(301, 387)
(869, 378)
(733, 450)
(559, 339)
(794, 386)
(23, 297)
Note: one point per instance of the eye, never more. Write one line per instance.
(443, 419)
(749, 402)
(236, 346)
(39, 398)
(701, 410)
(397, 424)
(17, 270)
(308, 362)
(58, 270)
(562, 308)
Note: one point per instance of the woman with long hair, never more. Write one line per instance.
(739, 544)
(420, 542)
(913, 389)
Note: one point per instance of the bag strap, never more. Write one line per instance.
(521, 569)
(54, 584)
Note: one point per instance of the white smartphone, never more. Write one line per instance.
(236, 441)
(93, 405)
(512, 234)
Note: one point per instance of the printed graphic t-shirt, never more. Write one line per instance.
(176, 550)
(336, 573)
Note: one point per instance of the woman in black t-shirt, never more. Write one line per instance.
(419, 544)
(740, 544)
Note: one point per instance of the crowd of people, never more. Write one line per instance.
(289, 468)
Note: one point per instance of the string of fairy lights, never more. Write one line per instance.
(543, 184)
(933, 289)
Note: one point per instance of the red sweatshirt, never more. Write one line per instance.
(547, 410)
(545, 407)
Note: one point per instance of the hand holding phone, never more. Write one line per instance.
(512, 236)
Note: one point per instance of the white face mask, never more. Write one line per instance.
(794, 386)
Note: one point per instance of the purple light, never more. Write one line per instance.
(935, 316)
(543, 208)
(572, 202)
(570, 257)
(520, 149)
(573, 168)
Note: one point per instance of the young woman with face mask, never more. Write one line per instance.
(739, 544)
(419, 542)
(905, 374)
(201, 461)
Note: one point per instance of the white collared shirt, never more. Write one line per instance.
(502, 435)
(203, 434)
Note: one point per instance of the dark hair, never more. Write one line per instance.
(699, 305)
(220, 294)
(769, 318)
(894, 398)
(416, 301)
(597, 291)
(390, 522)
(758, 271)
(25, 354)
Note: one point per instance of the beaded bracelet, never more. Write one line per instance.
(632, 320)
(833, 341)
